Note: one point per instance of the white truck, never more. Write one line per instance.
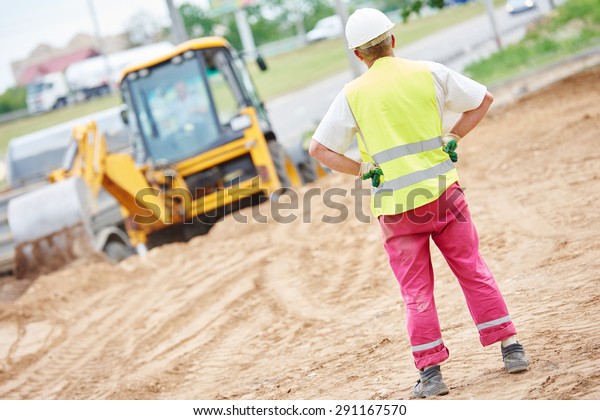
(47, 92)
(96, 76)
(88, 78)
(85, 79)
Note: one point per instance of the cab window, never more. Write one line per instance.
(227, 94)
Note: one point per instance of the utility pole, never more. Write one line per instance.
(241, 19)
(490, 11)
(177, 26)
(100, 44)
(298, 17)
(355, 64)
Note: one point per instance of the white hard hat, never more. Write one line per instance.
(366, 25)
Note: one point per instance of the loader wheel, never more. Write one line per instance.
(60, 103)
(288, 173)
(117, 251)
(311, 170)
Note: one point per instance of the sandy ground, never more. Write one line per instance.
(312, 311)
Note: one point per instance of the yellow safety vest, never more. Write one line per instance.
(400, 129)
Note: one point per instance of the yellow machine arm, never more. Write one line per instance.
(85, 158)
(53, 224)
(88, 159)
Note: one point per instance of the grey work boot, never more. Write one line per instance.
(514, 358)
(430, 383)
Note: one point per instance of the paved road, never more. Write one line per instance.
(466, 42)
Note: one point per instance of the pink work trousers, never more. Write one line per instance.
(406, 240)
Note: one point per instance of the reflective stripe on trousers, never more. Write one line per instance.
(493, 323)
(426, 346)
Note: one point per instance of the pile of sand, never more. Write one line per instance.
(311, 310)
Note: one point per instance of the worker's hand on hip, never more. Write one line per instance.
(368, 170)
(450, 144)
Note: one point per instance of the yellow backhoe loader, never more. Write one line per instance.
(203, 147)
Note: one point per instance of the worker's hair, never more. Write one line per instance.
(379, 49)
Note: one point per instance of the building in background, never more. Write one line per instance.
(45, 59)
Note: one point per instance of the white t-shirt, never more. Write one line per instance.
(453, 92)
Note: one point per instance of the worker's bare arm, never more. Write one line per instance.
(333, 160)
(469, 120)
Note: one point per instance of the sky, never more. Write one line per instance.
(24, 24)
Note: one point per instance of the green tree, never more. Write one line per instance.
(197, 21)
(286, 11)
(270, 20)
(143, 29)
(408, 7)
(266, 29)
(13, 99)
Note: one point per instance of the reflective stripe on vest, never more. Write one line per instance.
(395, 107)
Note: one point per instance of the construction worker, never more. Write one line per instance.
(396, 109)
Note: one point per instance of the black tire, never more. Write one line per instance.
(308, 171)
(278, 155)
(117, 251)
(60, 103)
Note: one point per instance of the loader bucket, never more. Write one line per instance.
(51, 227)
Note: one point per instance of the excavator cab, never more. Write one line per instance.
(189, 103)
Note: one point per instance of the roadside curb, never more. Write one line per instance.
(521, 85)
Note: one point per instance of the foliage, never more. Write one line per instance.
(573, 26)
(409, 7)
(311, 11)
(197, 21)
(270, 20)
(13, 99)
(142, 29)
